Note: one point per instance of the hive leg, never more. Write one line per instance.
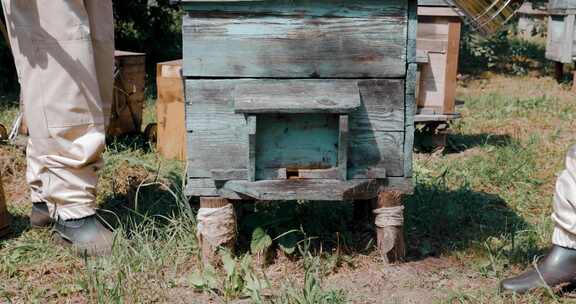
(217, 227)
(390, 232)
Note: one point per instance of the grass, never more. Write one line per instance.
(484, 203)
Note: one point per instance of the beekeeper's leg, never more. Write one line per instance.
(559, 266)
(54, 55)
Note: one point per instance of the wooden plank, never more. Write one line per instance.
(299, 8)
(560, 40)
(437, 11)
(252, 140)
(343, 147)
(410, 99)
(129, 88)
(382, 106)
(374, 146)
(563, 7)
(306, 189)
(401, 184)
(201, 183)
(296, 141)
(229, 174)
(374, 153)
(170, 111)
(294, 47)
(217, 137)
(412, 30)
(331, 173)
(297, 96)
(422, 57)
(452, 55)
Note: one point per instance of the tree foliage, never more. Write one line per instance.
(151, 27)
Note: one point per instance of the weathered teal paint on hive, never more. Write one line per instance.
(299, 99)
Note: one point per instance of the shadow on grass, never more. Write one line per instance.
(440, 221)
(18, 225)
(458, 142)
(437, 221)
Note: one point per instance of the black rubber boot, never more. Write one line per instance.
(87, 236)
(558, 267)
(40, 216)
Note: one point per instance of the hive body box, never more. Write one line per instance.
(171, 128)
(561, 31)
(290, 100)
(439, 36)
(129, 87)
(531, 20)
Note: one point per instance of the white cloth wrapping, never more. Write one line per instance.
(217, 226)
(389, 216)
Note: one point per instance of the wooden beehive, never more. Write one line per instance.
(439, 27)
(290, 100)
(531, 20)
(561, 31)
(171, 136)
(129, 90)
(4, 217)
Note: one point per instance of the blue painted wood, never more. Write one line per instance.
(279, 40)
(296, 141)
(300, 8)
(297, 96)
(281, 55)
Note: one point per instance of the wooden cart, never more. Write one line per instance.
(561, 34)
(300, 100)
(439, 27)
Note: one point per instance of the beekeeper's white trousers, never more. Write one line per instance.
(565, 204)
(64, 54)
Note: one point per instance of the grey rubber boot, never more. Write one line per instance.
(40, 216)
(557, 268)
(87, 236)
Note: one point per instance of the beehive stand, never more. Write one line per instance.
(300, 100)
(561, 34)
(439, 27)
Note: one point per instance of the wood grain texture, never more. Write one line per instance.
(297, 96)
(452, 55)
(399, 184)
(275, 40)
(296, 141)
(561, 38)
(343, 135)
(374, 146)
(302, 8)
(170, 110)
(217, 137)
(252, 147)
(562, 7)
(316, 190)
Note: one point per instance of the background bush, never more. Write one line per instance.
(151, 27)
